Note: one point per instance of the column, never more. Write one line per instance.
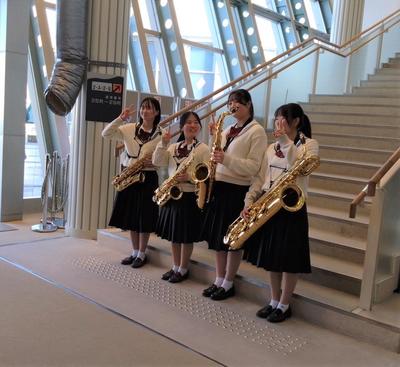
(347, 19)
(14, 33)
(93, 163)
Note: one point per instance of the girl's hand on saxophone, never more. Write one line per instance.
(127, 113)
(147, 161)
(183, 177)
(218, 156)
(245, 214)
(211, 125)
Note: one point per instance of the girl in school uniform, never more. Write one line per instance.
(281, 245)
(239, 160)
(180, 220)
(134, 209)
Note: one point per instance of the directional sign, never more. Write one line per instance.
(104, 94)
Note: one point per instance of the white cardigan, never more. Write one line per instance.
(117, 130)
(163, 156)
(242, 159)
(273, 166)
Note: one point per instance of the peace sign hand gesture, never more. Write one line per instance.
(127, 113)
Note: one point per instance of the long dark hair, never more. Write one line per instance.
(155, 104)
(183, 120)
(243, 97)
(290, 112)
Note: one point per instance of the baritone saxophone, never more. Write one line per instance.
(285, 194)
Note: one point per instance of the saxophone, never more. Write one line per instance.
(272, 201)
(204, 173)
(170, 189)
(130, 175)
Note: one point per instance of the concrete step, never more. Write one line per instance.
(321, 198)
(371, 142)
(333, 151)
(347, 167)
(379, 92)
(372, 83)
(394, 65)
(356, 109)
(349, 117)
(344, 184)
(393, 60)
(337, 222)
(384, 77)
(336, 246)
(390, 69)
(356, 128)
(335, 273)
(351, 99)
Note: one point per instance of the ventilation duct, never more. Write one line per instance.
(70, 68)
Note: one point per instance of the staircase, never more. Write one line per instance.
(357, 133)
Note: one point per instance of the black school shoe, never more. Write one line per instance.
(278, 315)
(127, 260)
(265, 311)
(138, 262)
(167, 275)
(210, 290)
(220, 294)
(178, 277)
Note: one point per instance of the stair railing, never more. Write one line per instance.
(275, 66)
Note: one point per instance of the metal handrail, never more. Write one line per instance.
(314, 40)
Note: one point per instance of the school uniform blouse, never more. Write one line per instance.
(243, 156)
(278, 159)
(135, 148)
(167, 156)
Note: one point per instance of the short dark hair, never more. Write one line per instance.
(154, 103)
(243, 97)
(183, 119)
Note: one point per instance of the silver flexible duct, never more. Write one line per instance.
(69, 71)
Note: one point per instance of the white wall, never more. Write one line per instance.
(375, 10)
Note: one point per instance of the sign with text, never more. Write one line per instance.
(104, 97)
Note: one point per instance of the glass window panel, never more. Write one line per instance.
(33, 170)
(159, 67)
(52, 22)
(148, 15)
(269, 4)
(271, 37)
(206, 69)
(198, 12)
(314, 15)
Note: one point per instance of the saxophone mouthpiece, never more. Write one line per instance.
(302, 138)
(233, 109)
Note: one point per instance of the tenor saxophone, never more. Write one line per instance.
(130, 175)
(204, 173)
(272, 201)
(170, 189)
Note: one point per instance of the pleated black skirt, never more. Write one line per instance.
(281, 244)
(180, 221)
(134, 208)
(227, 201)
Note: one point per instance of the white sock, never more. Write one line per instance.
(141, 255)
(183, 271)
(274, 303)
(175, 268)
(283, 307)
(134, 253)
(218, 281)
(227, 284)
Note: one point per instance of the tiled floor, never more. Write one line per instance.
(68, 301)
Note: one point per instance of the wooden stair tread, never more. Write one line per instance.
(340, 177)
(352, 163)
(357, 149)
